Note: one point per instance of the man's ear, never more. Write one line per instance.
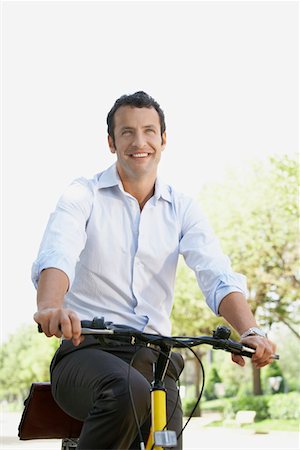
(163, 140)
(111, 144)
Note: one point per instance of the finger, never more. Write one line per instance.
(71, 327)
(54, 326)
(264, 354)
(47, 322)
(36, 317)
(263, 348)
(76, 328)
(76, 325)
(77, 341)
(45, 329)
(238, 359)
(263, 363)
(43, 321)
(266, 357)
(66, 326)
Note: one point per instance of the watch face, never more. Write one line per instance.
(258, 331)
(254, 331)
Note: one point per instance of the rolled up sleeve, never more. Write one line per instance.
(65, 234)
(203, 254)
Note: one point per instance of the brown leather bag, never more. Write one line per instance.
(42, 418)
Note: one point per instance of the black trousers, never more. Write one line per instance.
(91, 383)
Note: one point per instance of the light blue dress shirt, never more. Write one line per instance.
(121, 262)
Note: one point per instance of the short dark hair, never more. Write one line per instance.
(137, 100)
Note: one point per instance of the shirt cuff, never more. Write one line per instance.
(52, 261)
(228, 283)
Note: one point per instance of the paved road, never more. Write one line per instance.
(195, 438)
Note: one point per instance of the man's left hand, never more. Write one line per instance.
(264, 349)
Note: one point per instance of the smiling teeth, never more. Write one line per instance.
(139, 155)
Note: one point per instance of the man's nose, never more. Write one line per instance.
(139, 140)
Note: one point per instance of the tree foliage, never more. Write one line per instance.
(24, 359)
(190, 315)
(212, 379)
(256, 219)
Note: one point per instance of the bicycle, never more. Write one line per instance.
(160, 438)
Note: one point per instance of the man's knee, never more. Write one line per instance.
(121, 393)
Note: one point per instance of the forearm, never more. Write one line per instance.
(52, 287)
(54, 319)
(235, 309)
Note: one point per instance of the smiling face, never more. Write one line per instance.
(137, 142)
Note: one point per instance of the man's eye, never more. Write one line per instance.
(150, 131)
(126, 132)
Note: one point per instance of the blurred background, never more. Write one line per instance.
(226, 74)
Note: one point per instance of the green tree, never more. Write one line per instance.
(191, 317)
(256, 219)
(212, 379)
(287, 347)
(24, 359)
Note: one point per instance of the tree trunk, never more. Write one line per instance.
(257, 389)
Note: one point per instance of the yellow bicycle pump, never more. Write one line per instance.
(159, 437)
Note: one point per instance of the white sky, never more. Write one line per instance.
(225, 73)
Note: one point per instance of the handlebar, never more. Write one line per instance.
(219, 339)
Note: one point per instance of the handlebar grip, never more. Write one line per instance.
(249, 352)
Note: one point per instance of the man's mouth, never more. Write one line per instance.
(139, 155)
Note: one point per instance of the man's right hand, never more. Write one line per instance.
(60, 322)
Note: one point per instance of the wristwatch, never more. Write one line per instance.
(252, 332)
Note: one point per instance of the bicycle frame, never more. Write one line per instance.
(158, 416)
(158, 434)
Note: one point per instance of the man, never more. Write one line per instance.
(111, 249)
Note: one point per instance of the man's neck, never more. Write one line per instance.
(142, 189)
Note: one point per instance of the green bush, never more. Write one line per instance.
(271, 371)
(249, 403)
(217, 405)
(24, 358)
(213, 378)
(188, 405)
(275, 407)
(285, 406)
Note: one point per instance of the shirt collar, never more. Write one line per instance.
(110, 178)
(162, 190)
